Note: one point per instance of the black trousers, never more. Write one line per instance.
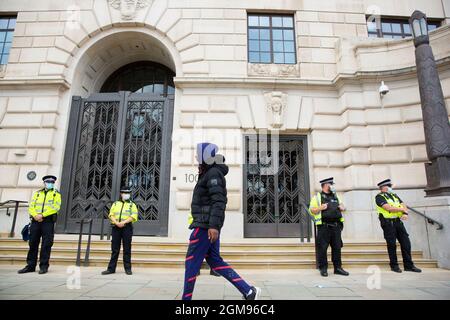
(46, 231)
(121, 235)
(326, 235)
(393, 230)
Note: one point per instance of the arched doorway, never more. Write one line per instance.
(121, 137)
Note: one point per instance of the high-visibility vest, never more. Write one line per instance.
(316, 202)
(190, 219)
(392, 202)
(45, 203)
(122, 210)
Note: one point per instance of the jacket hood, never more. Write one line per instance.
(219, 162)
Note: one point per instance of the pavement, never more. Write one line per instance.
(74, 283)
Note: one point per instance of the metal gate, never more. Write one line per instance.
(118, 139)
(276, 186)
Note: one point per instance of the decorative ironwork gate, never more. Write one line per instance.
(114, 140)
(274, 191)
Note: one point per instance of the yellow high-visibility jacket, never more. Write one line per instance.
(45, 203)
(315, 203)
(393, 203)
(122, 210)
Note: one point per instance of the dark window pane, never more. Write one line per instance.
(253, 45)
(264, 21)
(253, 56)
(265, 57)
(288, 22)
(170, 90)
(264, 46)
(277, 22)
(4, 59)
(289, 58)
(253, 21)
(431, 27)
(386, 27)
(253, 34)
(278, 57)
(373, 35)
(2, 36)
(278, 46)
(4, 23)
(12, 23)
(396, 28)
(264, 34)
(288, 34)
(289, 46)
(277, 34)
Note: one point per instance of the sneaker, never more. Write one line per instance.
(254, 294)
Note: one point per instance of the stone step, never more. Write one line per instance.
(178, 245)
(239, 264)
(226, 253)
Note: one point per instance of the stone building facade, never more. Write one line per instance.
(327, 100)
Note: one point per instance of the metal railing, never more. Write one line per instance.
(89, 218)
(16, 205)
(427, 218)
(311, 220)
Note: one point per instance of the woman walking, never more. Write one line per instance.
(208, 211)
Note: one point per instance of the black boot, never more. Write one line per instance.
(341, 271)
(323, 272)
(27, 269)
(396, 269)
(128, 272)
(413, 269)
(106, 272)
(43, 270)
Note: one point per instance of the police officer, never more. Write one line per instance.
(122, 214)
(327, 208)
(43, 210)
(391, 211)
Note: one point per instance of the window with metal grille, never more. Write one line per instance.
(394, 28)
(271, 38)
(7, 25)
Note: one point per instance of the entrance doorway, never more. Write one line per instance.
(274, 193)
(121, 137)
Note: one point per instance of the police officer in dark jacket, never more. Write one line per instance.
(391, 211)
(208, 205)
(326, 208)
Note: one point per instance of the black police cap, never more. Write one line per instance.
(383, 183)
(327, 180)
(125, 190)
(49, 177)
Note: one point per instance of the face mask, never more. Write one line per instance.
(49, 185)
(333, 189)
(125, 197)
(390, 190)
